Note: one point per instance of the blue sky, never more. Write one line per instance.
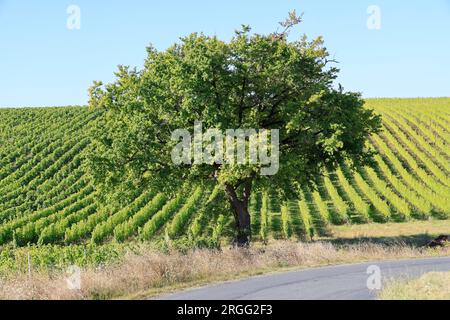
(43, 63)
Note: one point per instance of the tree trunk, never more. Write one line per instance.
(243, 228)
(241, 214)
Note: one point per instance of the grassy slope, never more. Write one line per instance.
(413, 232)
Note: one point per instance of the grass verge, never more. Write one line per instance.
(146, 273)
(430, 286)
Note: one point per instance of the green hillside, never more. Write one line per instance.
(47, 198)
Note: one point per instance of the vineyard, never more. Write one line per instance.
(46, 196)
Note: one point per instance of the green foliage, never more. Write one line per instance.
(181, 218)
(218, 229)
(83, 229)
(128, 228)
(161, 217)
(107, 227)
(206, 212)
(286, 224)
(51, 257)
(263, 232)
(307, 231)
(340, 209)
(56, 231)
(252, 81)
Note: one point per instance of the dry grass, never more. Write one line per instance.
(151, 271)
(431, 286)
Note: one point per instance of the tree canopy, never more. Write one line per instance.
(252, 81)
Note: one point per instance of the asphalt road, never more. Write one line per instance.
(325, 283)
